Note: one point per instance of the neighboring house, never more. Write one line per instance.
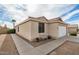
(3, 29)
(41, 27)
(72, 28)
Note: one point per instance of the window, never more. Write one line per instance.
(41, 28)
(18, 28)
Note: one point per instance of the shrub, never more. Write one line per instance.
(49, 37)
(11, 31)
(73, 34)
(37, 39)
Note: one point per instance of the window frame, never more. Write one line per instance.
(18, 28)
(41, 27)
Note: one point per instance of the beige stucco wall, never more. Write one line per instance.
(29, 30)
(25, 30)
(34, 30)
(53, 29)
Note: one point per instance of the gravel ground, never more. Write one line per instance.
(68, 48)
(8, 47)
(36, 44)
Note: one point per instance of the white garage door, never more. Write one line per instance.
(62, 31)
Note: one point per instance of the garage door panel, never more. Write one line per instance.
(62, 31)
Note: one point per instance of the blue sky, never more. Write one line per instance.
(68, 12)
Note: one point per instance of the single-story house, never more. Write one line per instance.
(3, 29)
(72, 28)
(35, 27)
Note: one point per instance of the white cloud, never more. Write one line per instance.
(21, 12)
(70, 14)
(39, 10)
(31, 8)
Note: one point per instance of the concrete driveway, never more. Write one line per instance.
(68, 48)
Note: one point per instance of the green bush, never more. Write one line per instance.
(11, 31)
(73, 34)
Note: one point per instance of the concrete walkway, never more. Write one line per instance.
(22, 46)
(25, 48)
(2, 38)
(46, 48)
